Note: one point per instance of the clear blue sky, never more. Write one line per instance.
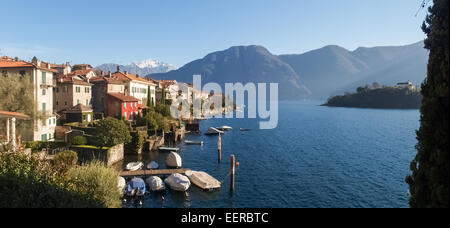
(180, 31)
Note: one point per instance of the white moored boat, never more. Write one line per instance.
(121, 184)
(193, 142)
(155, 183)
(178, 182)
(203, 180)
(225, 128)
(173, 160)
(213, 131)
(134, 166)
(152, 165)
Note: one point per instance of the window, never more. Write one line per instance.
(65, 103)
(49, 135)
(84, 117)
(125, 115)
(86, 89)
(22, 73)
(78, 101)
(44, 107)
(77, 89)
(57, 103)
(125, 104)
(54, 120)
(57, 90)
(44, 137)
(65, 89)
(49, 121)
(44, 78)
(87, 102)
(44, 92)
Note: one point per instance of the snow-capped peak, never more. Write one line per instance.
(150, 63)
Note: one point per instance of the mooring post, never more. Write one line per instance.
(232, 172)
(219, 146)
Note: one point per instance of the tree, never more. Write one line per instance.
(111, 132)
(16, 95)
(430, 168)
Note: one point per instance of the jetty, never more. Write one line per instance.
(152, 172)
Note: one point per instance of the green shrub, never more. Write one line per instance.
(65, 160)
(79, 140)
(164, 110)
(27, 182)
(137, 141)
(97, 182)
(110, 132)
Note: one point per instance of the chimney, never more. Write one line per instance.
(137, 75)
(118, 68)
(36, 61)
(126, 72)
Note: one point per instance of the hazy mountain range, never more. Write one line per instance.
(143, 68)
(318, 74)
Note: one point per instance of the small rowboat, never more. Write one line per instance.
(203, 180)
(173, 160)
(136, 187)
(155, 183)
(245, 129)
(193, 142)
(178, 182)
(152, 165)
(134, 166)
(168, 149)
(121, 184)
(213, 131)
(225, 128)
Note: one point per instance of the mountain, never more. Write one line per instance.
(242, 64)
(318, 73)
(333, 69)
(146, 67)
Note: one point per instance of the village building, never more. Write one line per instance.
(79, 113)
(62, 68)
(406, 85)
(121, 105)
(102, 85)
(42, 75)
(71, 90)
(82, 67)
(141, 88)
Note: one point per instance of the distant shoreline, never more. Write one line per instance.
(380, 98)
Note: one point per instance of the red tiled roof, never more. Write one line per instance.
(79, 72)
(127, 77)
(123, 97)
(167, 83)
(71, 80)
(13, 114)
(105, 79)
(23, 64)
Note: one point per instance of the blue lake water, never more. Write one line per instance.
(316, 157)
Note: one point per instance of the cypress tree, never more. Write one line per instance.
(430, 168)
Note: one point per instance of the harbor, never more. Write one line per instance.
(316, 171)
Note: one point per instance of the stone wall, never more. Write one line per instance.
(115, 154)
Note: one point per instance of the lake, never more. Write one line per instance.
(316, 157)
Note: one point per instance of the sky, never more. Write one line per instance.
(178, 31)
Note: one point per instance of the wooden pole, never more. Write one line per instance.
(219, 145)
(232, 172)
